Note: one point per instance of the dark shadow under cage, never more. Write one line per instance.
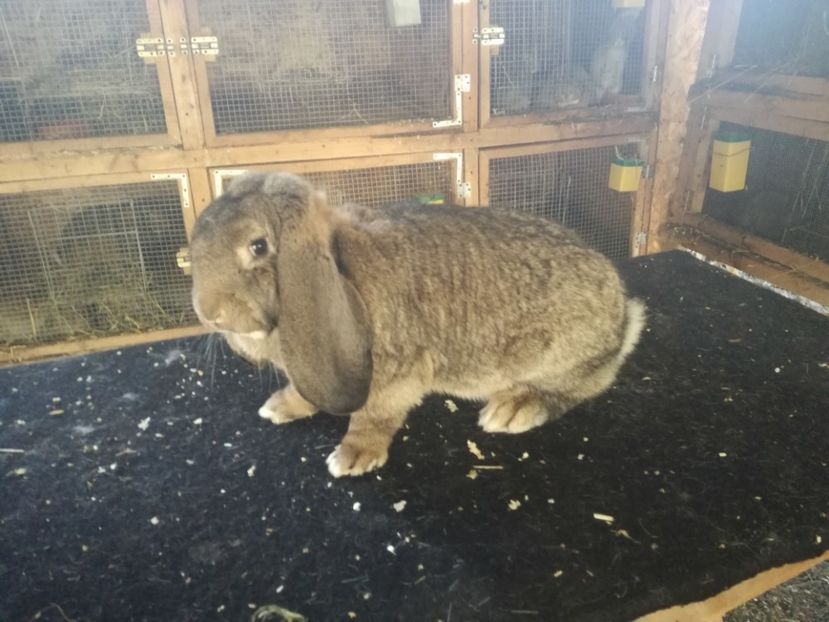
(570, 187)
(91, 262)
(790, 37)
(786, 199)
(296, 64)
(564, 54)
(70, 69)
(385, 185)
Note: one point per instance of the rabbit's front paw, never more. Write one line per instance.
(286, 405)
(513, 413)
(354, 459)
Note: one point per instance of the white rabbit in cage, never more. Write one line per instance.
(607, 66)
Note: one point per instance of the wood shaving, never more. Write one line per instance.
(473, 449)
(399, 506)
(473, 474)
(451, 406)
(558, 573)
(513, 504)
(144, 424)
(56, 412)
(603, 517)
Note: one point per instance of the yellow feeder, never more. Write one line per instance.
(729, 162)
(628, 4)
(625, 175)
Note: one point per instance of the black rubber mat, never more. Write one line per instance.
(141, 485)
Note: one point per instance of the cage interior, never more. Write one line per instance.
(70, 69)
(786, 199)
(564, 54)
(295, 64)
(570, 187)
(789, 37)
(384, 185)
(90, 262)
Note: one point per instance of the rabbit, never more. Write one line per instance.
(366, 311)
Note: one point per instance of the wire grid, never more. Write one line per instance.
(789, 37)
(91, 262)
(564, 54)
(571, 188)
(786, 199)
(69, 69)
(384, 185)
(297, 64)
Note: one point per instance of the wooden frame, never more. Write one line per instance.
(165, 80)
(78, 163)
(639, 216)
(195, 27)
(652, 57)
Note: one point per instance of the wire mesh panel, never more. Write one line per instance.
(91, 262)
(570, 187)
(789, 37)
(786, 199)
(297, 64)
(564, 54)
(69, 69)
(385, 185)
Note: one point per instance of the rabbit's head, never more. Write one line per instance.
(265, 259)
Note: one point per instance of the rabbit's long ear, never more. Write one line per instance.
(323, 325)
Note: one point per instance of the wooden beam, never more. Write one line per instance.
(740, 239)
(182, 71)
(26, 354)
(686, 30)
(753, 116)
(200, 196)
(809, 107)
(77, 163)
(763, 268)
(713, 609)
(720, 37)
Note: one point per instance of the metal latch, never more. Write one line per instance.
(153, 47)
(205, 45)
(492, 35)
(183, 260)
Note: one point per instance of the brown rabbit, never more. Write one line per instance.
(367, 311)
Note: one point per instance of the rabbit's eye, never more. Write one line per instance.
(259, 248)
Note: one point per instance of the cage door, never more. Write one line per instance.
(84, 72)
(297, 65)
(562, 56)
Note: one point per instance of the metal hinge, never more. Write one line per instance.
(463, 189)
(640, 240)
(655, 72)
(220, 175)
(153, 47)
(491, 35)
(463, 84)
(647, 170)
(183, 185)
(205, 45)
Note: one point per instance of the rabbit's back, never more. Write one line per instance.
(477, 292)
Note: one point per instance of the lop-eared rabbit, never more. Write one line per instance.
(366, 311)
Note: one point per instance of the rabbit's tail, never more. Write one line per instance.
(635, 316)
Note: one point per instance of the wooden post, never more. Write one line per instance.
(686, 30)
(174, 23)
